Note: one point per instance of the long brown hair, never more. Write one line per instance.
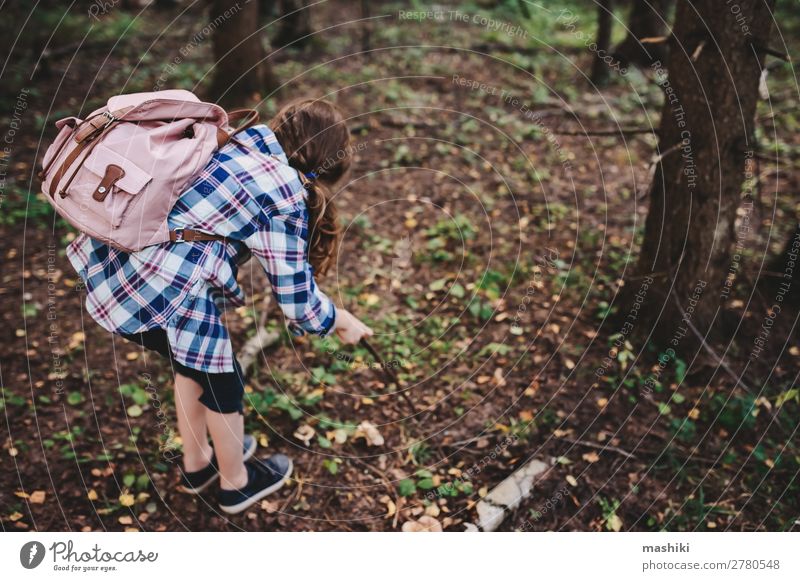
(315, 138)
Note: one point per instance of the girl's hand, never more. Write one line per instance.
(349, 329)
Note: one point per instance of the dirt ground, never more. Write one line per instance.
(484, 245)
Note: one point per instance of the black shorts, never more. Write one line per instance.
(222, 392)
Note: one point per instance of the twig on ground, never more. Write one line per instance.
(261, 340)
(601, 447)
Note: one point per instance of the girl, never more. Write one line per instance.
(266, 193)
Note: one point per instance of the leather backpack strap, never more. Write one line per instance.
(189, 235)
(246, 119)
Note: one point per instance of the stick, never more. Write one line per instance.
(391, 377)
(601, 447)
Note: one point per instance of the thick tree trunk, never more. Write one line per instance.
(646, 20)
(599, 73)
(241, 74)
(705, 135)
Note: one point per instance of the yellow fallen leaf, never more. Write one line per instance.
(571, 479)
(126, 520)
(76, 340)
(21, 494)
(132, 356)
(37, 497)
(92, 495)
(126, 499)
(391, 509)
(371, 299)
(602, 402)
(615, 523)
(15, 516)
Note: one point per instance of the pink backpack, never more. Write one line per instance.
(117, 174)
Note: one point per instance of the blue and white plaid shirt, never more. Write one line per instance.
(254, 200)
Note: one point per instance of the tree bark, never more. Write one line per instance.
(241, 74)
(647, 20)
(599, 74)
(705, 135)
(295, 27)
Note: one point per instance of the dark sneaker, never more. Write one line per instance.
(263, 477)
(197, 482)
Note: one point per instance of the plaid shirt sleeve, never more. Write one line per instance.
(280, 246)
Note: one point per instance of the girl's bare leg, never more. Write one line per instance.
(191, 424)
(227, 432)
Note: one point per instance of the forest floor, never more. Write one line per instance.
(484, 246)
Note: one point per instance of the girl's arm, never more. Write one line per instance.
(280, 246)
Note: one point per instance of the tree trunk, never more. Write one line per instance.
(295, 27)
(241, 74)
(705, 135)
(647, 20)
(599, 73)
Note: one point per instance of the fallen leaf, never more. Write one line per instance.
(432, 510)
(92, 495)
(37, 497)
(497, 379)
(615, 523)
(571, 479)
(76, 340)
(370, 433)
(126, 499)
(425, 524)
(305, 434)
(391, 507)
(591, 457)
(125, 520)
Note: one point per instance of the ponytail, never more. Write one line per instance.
(316, 141)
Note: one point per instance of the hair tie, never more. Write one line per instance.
(311, 176)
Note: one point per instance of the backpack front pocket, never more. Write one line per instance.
(116, 183)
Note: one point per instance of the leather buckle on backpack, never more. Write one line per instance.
(113, 174)
(178, 235)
